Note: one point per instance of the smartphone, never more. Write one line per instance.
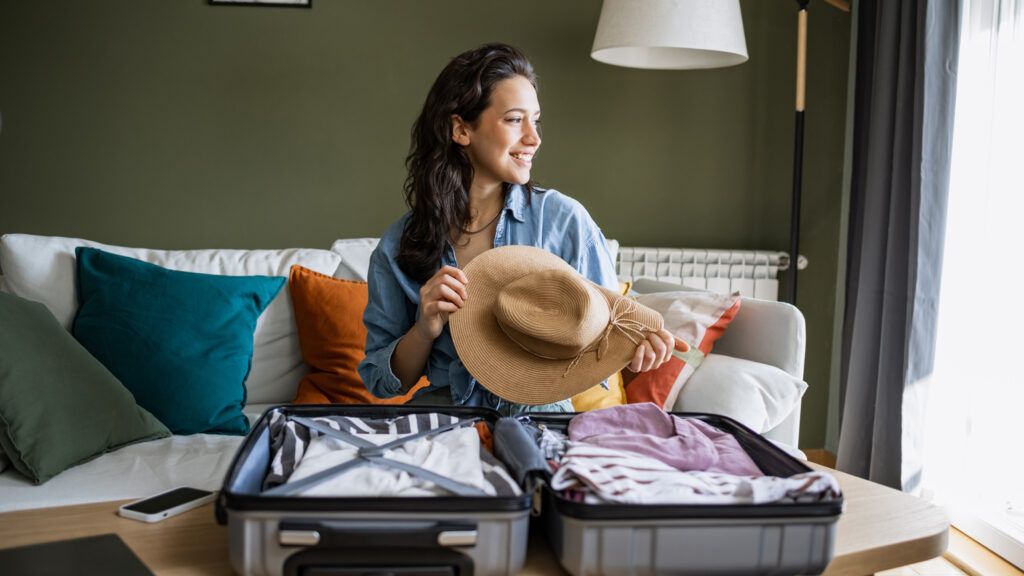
(166, 504)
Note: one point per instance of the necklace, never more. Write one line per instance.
(484, 227)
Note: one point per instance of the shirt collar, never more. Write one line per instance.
(515, 201)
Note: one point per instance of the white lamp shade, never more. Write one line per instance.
(670, 34)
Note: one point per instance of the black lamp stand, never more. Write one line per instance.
(798, 150)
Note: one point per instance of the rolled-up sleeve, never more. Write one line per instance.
(387, 319)
(593, 259)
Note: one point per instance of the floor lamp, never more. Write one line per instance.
(692, 34)
(798, 149)
(798, 140)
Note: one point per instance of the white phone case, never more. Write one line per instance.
(159, 515)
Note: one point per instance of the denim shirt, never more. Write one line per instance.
(551, 220)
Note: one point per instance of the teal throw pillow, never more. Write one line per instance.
(58, 405)
(180, 341)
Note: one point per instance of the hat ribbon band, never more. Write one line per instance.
(634, 330)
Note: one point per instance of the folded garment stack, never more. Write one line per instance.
(639, 454)
(412, 456)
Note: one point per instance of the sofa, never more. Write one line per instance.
(764, 338)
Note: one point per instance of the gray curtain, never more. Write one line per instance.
(903, 124)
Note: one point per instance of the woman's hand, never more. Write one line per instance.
(654, 351)
(442, 294)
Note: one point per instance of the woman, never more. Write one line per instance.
(469, 190)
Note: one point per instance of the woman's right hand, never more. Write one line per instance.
(442, 294)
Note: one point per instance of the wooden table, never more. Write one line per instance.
(881, 528)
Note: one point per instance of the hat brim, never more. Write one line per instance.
(507, 369)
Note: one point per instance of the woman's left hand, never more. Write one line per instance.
(654, 351)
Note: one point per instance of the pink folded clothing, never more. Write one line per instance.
(597, 475)
(686, 444)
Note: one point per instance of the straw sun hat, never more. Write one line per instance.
(534, 331)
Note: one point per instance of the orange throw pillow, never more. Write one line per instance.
(697, 318)
(332, 336)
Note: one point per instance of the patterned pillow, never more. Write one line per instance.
(694, 317)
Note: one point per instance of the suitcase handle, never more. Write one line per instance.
(384, 534)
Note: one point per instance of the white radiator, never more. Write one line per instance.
(752, 273)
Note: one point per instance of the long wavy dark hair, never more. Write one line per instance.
(440, 172)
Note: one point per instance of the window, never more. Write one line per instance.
(974, 438)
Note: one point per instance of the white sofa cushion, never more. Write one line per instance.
(198, 461)
(42, 268)
(759, 396)
(355, 257)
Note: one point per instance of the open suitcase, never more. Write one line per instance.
(706, 540)
(466, 535)
(273, 534)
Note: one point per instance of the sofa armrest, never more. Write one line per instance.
(768, 332)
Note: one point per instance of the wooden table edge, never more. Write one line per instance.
(867, 559)
(897, 555)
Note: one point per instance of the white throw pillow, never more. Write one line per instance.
(355, 257)
(757, 395)
(42, 268)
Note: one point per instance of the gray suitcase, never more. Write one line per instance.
(422, 536)
(704, 540)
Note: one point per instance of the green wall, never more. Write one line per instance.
(174, 124)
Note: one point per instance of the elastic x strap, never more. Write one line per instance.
(372, 453)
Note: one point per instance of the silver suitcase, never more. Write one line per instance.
(272, 534)
(699, 540)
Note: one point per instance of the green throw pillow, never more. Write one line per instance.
(181, 342)
(58, 405)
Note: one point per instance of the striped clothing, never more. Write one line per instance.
(290, 442)
(605, 475)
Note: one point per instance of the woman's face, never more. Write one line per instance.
(504, 140)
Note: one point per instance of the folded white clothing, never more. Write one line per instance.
(609, 475)
(454, 454)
